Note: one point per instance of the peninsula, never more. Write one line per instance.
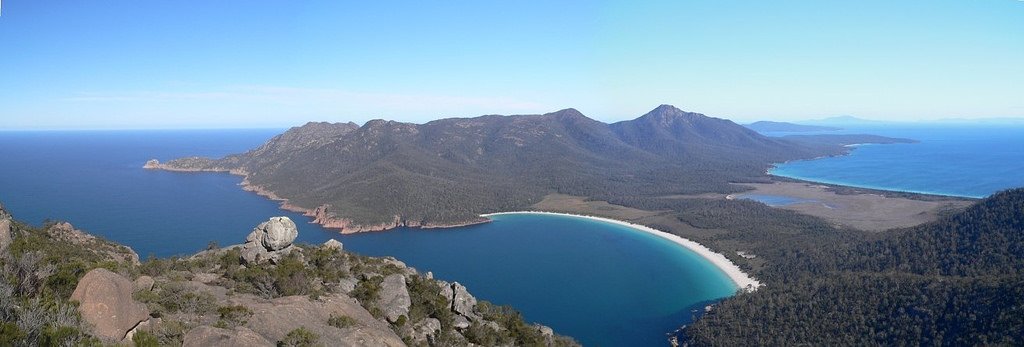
(447, 172)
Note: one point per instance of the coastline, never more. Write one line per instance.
(321, 216)
(743, 281)
(869, 187)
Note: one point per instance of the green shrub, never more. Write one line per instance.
(341, 322)
(145, 339)
(233, 316)
(291, 277)
(367, 291)
(300, 337)
(427, 301)
(10, 334)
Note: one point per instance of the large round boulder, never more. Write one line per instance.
(106, 302)
(279, 233)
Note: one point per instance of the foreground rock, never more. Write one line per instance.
(237, 337)
(270, 240)
(394, 297)
(275, 319)
(287, 294)
(6, 237)
(106, 302)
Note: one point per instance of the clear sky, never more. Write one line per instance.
(210, 64)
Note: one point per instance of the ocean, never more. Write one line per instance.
(601, 283)
(958, 160)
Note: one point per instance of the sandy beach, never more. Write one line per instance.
(741, 279)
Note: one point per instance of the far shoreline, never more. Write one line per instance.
(841, 186)
(742, 281)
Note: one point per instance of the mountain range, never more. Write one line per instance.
(446, 172)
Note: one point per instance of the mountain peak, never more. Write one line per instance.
(670, 114)
(569, 112)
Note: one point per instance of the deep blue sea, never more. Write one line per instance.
(601, 283)
(959, 160)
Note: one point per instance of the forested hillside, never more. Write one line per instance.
(957, 281)
(449, 171)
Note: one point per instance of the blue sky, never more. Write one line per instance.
(216, 64)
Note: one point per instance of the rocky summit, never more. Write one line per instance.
(268, 291)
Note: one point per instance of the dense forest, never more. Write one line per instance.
(452, 170)
(956, 281)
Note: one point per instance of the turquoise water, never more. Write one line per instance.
(601, 283)
(970, 161)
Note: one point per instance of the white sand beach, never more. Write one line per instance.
(741, 279)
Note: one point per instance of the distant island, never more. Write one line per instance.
(770, 126)
(387, 174)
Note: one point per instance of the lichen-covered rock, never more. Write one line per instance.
(144, 283)
(106, 303)
(6, 237)
(269, 241)
(461, 322)
(425, 330)
(210, 336)
(333, 244)
(462, 302)
(273, 320)
(394, 297)
(280, 232)
(346, 285)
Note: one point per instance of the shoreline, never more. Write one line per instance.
(742, 280)
(319, 215)
(832, 184)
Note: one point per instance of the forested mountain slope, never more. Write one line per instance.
(449, 171)
(956, 281)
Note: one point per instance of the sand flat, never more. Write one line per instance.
(862, 210)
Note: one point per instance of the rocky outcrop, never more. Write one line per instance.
(273, 320)
(334, 244)
(6, 224)
(144, 283)
(424, 331)
(463, 303)
(237, 337)
(322, 215)
(106, 303)
(394, 297)
(66, 232)
(270, 240)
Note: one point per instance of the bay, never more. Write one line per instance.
(957, 160)
(601, 283)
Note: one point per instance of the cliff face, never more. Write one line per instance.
(386, 174)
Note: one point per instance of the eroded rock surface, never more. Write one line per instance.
(273, 320)
(106, 303)
(6, 237)
(394, 297)
(238, 337)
